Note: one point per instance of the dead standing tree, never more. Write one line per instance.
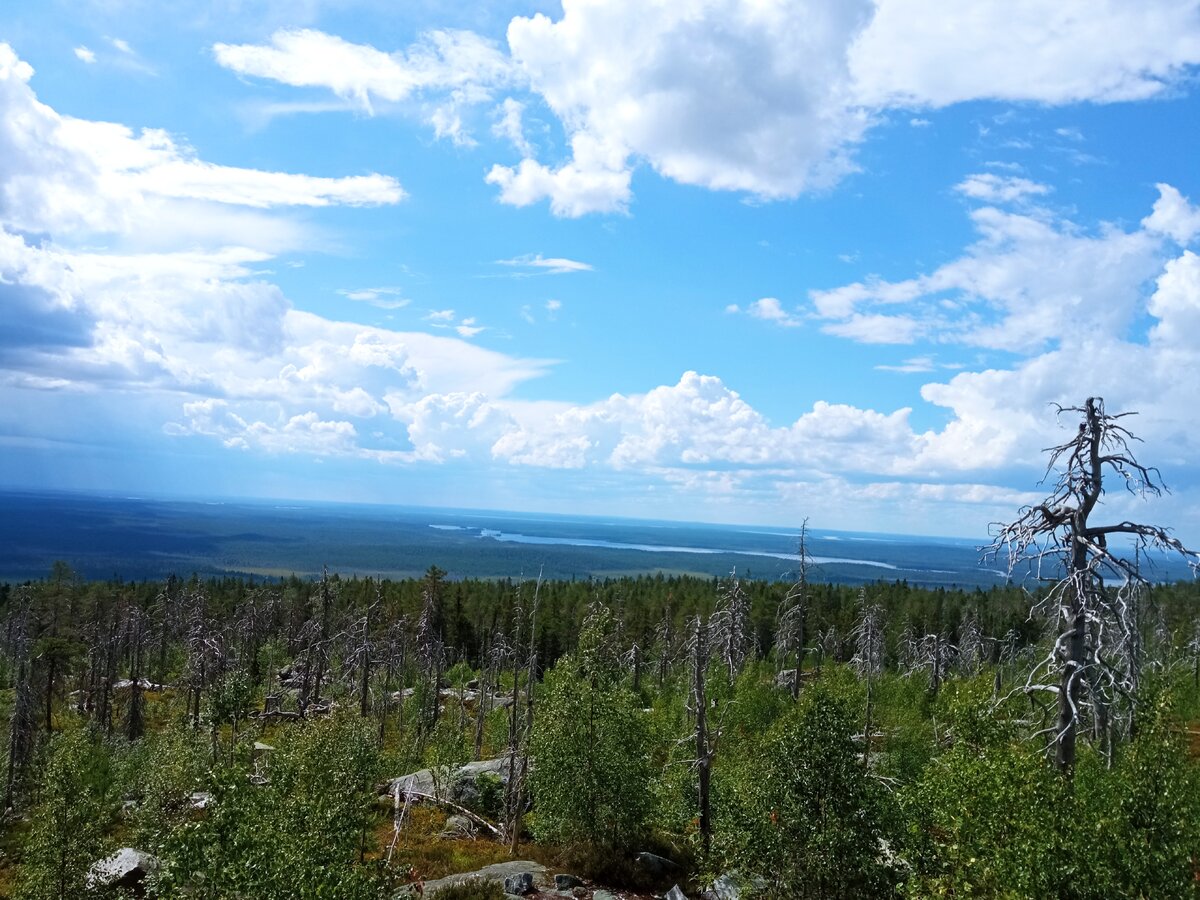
(1094, 587)
(793, 613)
(868, 657)
(729, 626)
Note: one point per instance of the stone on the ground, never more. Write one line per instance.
(458, 827)
(732, 886)
(566, 882)
(422, 781)
(675, 894)
(520, 883)
(496, 872)
(200, 800)
(654, 865)
(126, 869)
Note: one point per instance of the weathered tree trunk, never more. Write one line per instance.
(1068, 694)
(364, 707)
(703, 752)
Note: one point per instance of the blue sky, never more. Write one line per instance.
(721, 261)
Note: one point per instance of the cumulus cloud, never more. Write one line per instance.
(1173, 215)
(928, 54)
(726, 95)
(1175, 303)
(85, 55)
(1030, 280)
(766, 99)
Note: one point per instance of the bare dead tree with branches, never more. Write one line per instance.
(868, 660)
(729, 626)
(1094, 586)
(706, 749)
(793, 614)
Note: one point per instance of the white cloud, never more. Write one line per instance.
(555, 265)
(1175, 303)
(877, 328)
(468, 328)
(65, 175)
(305, 433)
(595, 181)
(121, 45)
(440, 315)
(382, 297)
(86, 55)
(926, 53)
(992, 188)
(769, 99)
(726, 95)
(769, 309)
(910, 366)
(1174, 216)
(1027, 282)
(509, 126)
(460, 65)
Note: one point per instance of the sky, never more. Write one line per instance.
(741, 261)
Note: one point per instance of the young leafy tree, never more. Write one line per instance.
(985, 818)
(816, 815)
(300, 835)
(1145, 810)
(591, 746)
(68, 822)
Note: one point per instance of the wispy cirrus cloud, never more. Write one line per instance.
(768, 309)
(382, 297)
(536, 264)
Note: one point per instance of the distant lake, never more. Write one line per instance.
(658, 548)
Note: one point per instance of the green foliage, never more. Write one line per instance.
(175, 764)
(591, 747)
(445, 751)
(300, 835)
(75, 797)
(1140, 821)
(983, 819)
(990, 818)
(812, 817)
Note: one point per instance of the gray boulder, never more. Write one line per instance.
(126, 869)
(566, 882)
(654, 865)
(675, 894)
(458, 827)
(497, 872)
(733, 886)
(520, 884)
